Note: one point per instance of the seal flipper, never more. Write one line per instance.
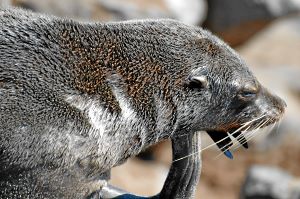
(223, 141)
(110, 191)
(183, 175)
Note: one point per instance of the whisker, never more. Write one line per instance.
(260, 117)
(211, 145)
(271, 127)
(187, 156)
(255, 119)
(270, 130)
(197, 152)
(240, 136)
(277, 129)
(250, 137)
(247, 138)
(258, 127)
(238, 130)
(246, 135)
(237, 146)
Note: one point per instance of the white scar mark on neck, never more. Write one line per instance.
(125, 124)
(129, 117)
(98, 117)
(96, 114)
(127, 111)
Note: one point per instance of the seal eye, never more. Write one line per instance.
(248, 93)
(197, 82)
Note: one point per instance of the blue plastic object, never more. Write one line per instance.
(228, 154)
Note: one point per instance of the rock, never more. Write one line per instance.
(269, 183)
(76, 9)
(237, 20)
(125, 9)
(189, 11)
(295, 186)
(5, 3)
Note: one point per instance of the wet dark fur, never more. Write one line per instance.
(49, 67)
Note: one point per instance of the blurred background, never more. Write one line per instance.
(267, 35)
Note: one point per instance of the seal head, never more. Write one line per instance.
(222, 95)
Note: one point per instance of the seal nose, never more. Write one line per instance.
(284, 103)
(279, 103)
(274, 103)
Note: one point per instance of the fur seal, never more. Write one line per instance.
(77, 99)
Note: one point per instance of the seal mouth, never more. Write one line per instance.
(224, 140)
(224, 137)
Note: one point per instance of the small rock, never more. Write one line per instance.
(188, 11)
(237, 20)
(5, 3)
(264, 182)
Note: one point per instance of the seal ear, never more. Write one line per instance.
(199, 82)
